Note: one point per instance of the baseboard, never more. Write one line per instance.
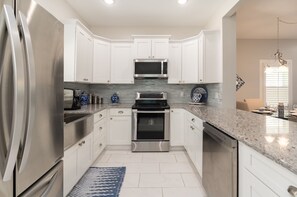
(118, 147)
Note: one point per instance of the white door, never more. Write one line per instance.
(101, 62)
(122, 69)
(120, 130)
(84, 56)
(201, 59)
(175, 63)
(84, 155)
(177, 127)
(160, 48)
(70, 167)
(190, 61)
(143, 48)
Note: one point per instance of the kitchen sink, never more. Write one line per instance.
(76, 127)
(68, 118)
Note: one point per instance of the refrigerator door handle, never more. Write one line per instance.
(31, 91)
(8, 158)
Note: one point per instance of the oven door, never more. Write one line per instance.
(150, 125)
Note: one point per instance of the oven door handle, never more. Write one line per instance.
(151, 112)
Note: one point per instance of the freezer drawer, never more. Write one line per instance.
(51, 184)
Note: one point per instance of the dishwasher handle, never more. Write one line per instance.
(219, 135)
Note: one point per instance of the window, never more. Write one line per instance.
(276, 84)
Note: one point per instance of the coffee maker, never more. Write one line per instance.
(72, 99)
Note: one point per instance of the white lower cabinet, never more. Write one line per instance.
(99, 133)
(194, 140)
(77, 160)
(177, 127)
(262, 177)
(120, 127)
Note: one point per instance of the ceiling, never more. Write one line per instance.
(257, 19)
(146, 13)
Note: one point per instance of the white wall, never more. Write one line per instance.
(249, 53)
(225, 21)
(126, 32)
(60, 9)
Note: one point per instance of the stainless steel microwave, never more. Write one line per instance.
(150, 68)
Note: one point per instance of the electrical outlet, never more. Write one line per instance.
(182, 94)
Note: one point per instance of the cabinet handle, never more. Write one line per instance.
(100, 128)
(100, 144)
(120, 112)
(171, 110)
(86, 79)
(193, 119)
(110, 118)
(292, 190)
(100, 115)
(108, 81)
(192, 127)
(83, 142)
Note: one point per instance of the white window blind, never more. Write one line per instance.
(276, 86)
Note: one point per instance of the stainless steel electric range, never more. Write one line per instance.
(150, 122)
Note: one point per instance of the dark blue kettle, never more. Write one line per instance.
(115, 98)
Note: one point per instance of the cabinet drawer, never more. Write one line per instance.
(197, 122)
(99, 116)
(99, 146)
(99, 129)
(120, 112)
(270, 173)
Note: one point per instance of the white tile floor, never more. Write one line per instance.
(154, 174)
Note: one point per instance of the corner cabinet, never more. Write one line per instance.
(78, 53)
(196, 60)
(262, 177)
(151, 48)
(122, 69)
(101, 61)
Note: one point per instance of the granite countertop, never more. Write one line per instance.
(273, 137)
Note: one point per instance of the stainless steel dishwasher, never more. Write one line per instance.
(219, 176)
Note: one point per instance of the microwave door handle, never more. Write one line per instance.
(8, 160)
(152, 112)
(31, 90)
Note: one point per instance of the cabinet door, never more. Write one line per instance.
(84, 155)
(70, 166)
(143, 48)
(84, 56)
(190, 61)
(201, 59)
(120, 130)
(252, 187)
(175, 63)
(101, 62)
(177, 127)
(122, 70)
(160, 48)
(198, 149)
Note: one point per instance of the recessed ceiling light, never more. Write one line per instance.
(109, 2)
(182, 1)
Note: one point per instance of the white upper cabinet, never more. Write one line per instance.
(101, 61)
(122, 70)
(78, 53)
(175, 63)
(146, 48)
(189, 71)
(210, 66)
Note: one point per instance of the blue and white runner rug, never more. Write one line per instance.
(100, 182)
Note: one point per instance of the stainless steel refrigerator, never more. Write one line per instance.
(31, 102)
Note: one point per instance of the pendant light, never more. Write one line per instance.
(278, 55)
